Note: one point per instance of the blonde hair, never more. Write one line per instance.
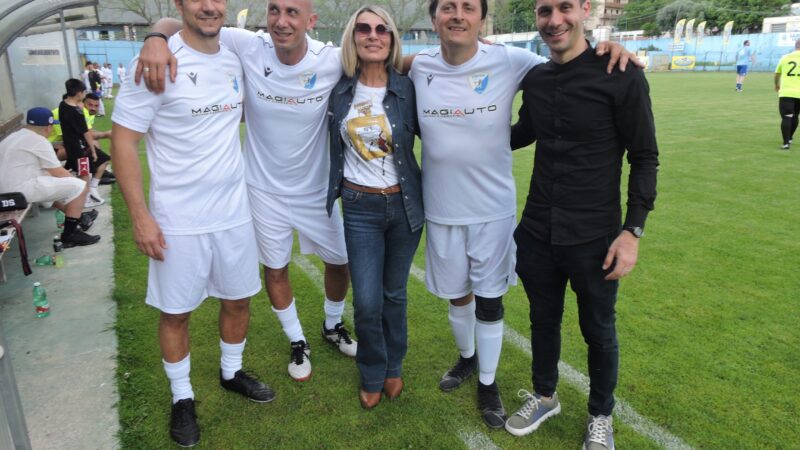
(350, 61)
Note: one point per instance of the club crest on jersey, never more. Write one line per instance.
(308, 79)
(234, 80)
(192, 76)
(478, 82)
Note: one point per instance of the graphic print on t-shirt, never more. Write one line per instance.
(370, 135)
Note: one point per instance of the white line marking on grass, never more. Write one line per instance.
(477, 440)
(623, 410)
(474, 440)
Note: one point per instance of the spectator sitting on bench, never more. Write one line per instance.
(29, 165)
(79, 140)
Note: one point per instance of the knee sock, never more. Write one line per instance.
(230, 358)
(786, 129)
(462, 320)
(333, 313)
(291, 323)
(94, 183)
(490, 342)
(178, 374)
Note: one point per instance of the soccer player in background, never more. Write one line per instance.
(787, 85)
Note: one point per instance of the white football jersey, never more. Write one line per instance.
(464, 114)
(286, 149)
(192, 134)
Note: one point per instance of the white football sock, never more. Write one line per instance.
(178, 374)
(462, 321)
(291, 323)
(333, 313)
(490, 342)
(230, 358)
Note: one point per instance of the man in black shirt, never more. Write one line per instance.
(583, 120)
(79, 140)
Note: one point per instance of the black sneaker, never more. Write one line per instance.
(247, 385)
(183, 426)
(492, 411)
(87, 219)
(463, 369)
(78, 238)
(107, 179)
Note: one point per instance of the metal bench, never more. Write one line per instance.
(19, 215)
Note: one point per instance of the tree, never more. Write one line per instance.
(405, 12)
(149, 10)
(514, 15)
(658, 16)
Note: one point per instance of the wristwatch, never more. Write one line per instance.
(636, 231)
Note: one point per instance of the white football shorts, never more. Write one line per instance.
(275, 217)
(222, 264)
(477, 258)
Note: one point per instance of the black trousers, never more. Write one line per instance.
(544, 270)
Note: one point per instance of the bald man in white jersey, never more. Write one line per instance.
(465, 90)
(288, 79)
(197, 230)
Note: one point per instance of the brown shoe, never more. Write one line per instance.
(369, 400)
(393, 387)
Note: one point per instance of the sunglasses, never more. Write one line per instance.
(365, 29)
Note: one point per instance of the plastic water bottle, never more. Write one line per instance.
(44, 260)
(57, 244)
(59, 260)
(40, 300)
(60, 218)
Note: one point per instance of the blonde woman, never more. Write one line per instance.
(372, 130)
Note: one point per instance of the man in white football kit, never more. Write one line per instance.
(464, 93)
(198, 231)
(465, 90)
(121, 73)
(288, 78)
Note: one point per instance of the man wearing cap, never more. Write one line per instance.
(29, 165)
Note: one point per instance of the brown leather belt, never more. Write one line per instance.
(371, 190)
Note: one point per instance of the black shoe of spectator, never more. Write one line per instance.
(77, 238)
(87, 219)
(183, 426)
(108, 178)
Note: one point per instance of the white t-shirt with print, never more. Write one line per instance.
(367, 134)
(286, 149)
(193, 149)
(464, 114)
(24, 155)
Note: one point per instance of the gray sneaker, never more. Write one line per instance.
(535, 411)
(599, 434)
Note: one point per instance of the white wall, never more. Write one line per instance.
(39, 68)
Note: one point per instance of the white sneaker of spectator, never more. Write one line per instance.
(95, 195)
(92, 201)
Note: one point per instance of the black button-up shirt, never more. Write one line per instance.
(583, 120)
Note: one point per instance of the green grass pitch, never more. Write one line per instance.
(707, 322)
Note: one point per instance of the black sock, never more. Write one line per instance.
(70, 225)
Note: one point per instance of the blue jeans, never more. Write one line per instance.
(380, 249)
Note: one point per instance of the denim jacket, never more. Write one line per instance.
(401, 110)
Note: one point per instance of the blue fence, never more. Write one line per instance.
(711, 53)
